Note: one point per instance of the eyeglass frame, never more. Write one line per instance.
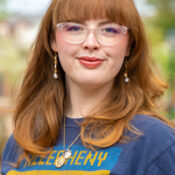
(60, 26)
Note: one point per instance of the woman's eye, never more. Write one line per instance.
(111, 30)
(73, 28)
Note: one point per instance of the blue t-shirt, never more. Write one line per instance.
(152, 153)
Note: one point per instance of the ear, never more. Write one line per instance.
(53, 45)
(127, 51)
(129, 48)
(53, 42)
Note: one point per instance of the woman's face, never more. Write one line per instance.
(90, 63)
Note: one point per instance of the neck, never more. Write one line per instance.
(81, 99)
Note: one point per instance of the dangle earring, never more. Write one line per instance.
(126, 78)
(55, 75)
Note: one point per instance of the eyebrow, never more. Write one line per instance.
(105, 22)
(82, 22)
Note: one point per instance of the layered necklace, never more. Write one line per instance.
(67, 152)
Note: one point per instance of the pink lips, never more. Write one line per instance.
(90, 62)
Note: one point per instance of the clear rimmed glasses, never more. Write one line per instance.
(107, 34)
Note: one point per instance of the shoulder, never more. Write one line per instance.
(153, 127)
(154, 130)
(157, 144)
(10, 154)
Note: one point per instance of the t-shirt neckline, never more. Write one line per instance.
(73, 122)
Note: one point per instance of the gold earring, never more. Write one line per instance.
(126, 78)
(55, 75)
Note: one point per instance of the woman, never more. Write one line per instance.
(87, 104)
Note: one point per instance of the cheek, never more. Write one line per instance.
(64, 48)
(121, 47)
(117, 55)
(118, 51)
(66, 52)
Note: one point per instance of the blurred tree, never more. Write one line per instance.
(163, 22)
(2, 2)
(12, 61)
(3, 12)
(165, 14)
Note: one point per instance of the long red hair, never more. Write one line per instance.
(41, 101)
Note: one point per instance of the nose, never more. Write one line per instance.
(91, 43)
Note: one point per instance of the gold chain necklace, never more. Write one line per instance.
(67, 152)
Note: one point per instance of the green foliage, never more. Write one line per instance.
(2, 2)
(163, 4)
(165, 13)
(166, 22)
(3, 11)
(161, 29)
(160, 49)
(12, 60)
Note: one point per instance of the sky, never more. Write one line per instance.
(28, 6)
(40, 6)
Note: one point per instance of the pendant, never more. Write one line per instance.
(67, 154)
(60, 161)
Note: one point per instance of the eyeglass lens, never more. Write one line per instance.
(107, 34)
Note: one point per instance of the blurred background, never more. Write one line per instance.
(19, 23)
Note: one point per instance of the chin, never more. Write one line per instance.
(91, 83)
